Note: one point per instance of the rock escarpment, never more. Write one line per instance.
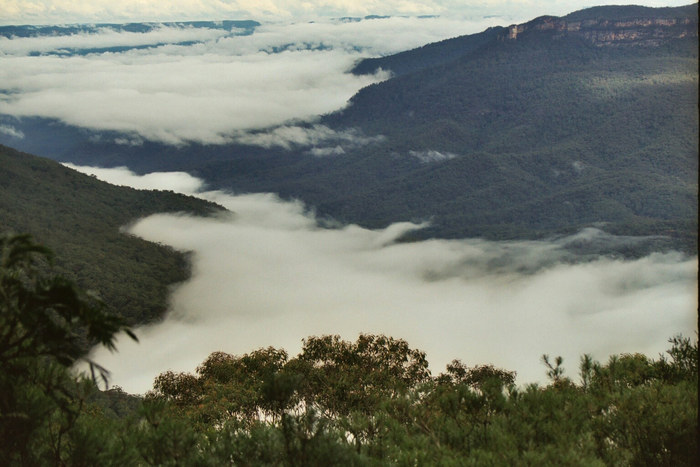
(629, 30)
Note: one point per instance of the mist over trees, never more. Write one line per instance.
(369, 402)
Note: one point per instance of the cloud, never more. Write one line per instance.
(432, 156)
(11, 131)
(270, 275)
(180, 182)
(327, 151)
(61, 11)
(204, 98)
(177, 84)
(287, 136)
(381, 36)
(214, 90)
(106, 37)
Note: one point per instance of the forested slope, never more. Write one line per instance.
(80, 217)
(531, 130)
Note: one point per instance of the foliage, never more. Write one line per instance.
(43, 319)
(42, 316)
(373, 402)
(342, 377)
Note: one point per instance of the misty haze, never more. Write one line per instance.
(509, 187)
(268, 274)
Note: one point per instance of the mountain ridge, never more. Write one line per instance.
(584, 23)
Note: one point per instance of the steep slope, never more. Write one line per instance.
(430, 55)
(79, 218)
(544, 132)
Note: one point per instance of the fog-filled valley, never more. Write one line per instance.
(164, 96)
(246, 212)
(218, 97)
(269, 274)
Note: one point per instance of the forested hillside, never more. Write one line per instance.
(80, 218)
(536, 134)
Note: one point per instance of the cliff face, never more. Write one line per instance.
(645, 32)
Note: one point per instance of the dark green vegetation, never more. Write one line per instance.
(525, 131)
(80, 217)
(43, 320)
(548, 131)
(374, 402)
(369, 402)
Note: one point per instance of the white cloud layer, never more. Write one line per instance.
(202, 98)
(105, 37)
(286, 136)
(211, 91)
(179, 182)
(269, 275)
(432, 156)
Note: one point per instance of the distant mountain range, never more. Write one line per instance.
(523, 131)
(243, 27)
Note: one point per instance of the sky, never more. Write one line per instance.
(80, 11)
(268, 275)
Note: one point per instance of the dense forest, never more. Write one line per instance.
(369, 402)
(81, 219)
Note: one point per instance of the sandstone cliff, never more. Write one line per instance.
(629, 30)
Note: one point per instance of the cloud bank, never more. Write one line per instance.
(269, 275)
(317, 135)
(176, 99)
(11, 131)
(177, 84)
(432, 156)
(179, 182)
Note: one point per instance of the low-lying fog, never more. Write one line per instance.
(269, 275)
